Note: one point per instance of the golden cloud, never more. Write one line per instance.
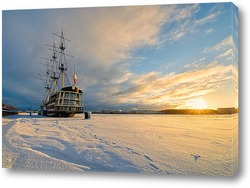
(155, 89)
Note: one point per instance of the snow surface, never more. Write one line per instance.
(151, 144)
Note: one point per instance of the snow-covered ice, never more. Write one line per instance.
(152, 144)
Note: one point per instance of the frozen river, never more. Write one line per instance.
(152, 144)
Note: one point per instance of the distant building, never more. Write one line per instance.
(8, 110)
(145, 112)
(226, 110)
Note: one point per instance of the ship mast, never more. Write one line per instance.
(47, 84)
(54, 75)
(51, 75)
(62, 59)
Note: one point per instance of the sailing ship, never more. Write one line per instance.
(61, 98)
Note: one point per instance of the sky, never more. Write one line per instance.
(127, 58)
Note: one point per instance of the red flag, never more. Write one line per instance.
(74, 76)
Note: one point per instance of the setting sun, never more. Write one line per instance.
(197, 103)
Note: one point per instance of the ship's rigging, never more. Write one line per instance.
(57, 84)
(56, 67)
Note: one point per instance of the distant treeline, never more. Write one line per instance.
(231, 110)
(126, 112)
(188, 111)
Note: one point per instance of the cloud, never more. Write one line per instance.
(221, 46)
(185, 12)
(196, 63)
(178, 33)
(224, 44)
(110, 34)
(226, 48)
(227, 53)
(155, 89)
(188, 23)
(235, 78)
(106, 38)
(182, 17)
(209, 18)
(210, 30)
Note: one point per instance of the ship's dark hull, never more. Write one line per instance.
(61, 113)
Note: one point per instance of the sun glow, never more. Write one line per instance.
(197, 103)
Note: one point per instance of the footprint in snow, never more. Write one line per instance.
(136, 153)
(128, 148)
(196, 156)
(147, 157)
(155, 167)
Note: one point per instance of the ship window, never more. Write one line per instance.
(61, 94)
(66, 101)
(72, 95)
(66, 95)
(72, 102)
(60, 101)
